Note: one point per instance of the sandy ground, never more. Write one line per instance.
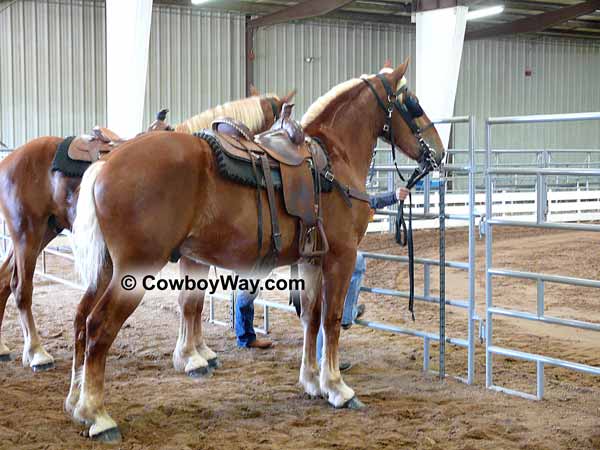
(254, 401)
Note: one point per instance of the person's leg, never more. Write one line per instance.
(350, 304)
(244, 321)
(320, 345)
(244, 317)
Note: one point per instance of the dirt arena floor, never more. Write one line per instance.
(253, 400)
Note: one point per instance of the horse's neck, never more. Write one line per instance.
(353, 134)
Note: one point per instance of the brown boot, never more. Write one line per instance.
(260, 343)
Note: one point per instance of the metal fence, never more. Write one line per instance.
(469, 266)
(541, 174)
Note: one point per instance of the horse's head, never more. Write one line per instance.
(271, 105)
(406, 124)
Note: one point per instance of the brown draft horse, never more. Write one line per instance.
(36, 203)
(180, 201)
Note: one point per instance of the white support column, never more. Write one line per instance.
(440, 37)
(127, 42)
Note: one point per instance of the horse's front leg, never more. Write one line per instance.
(337, 272)
(186, 357)
(311, 297)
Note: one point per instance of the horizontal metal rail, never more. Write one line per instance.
(541, 118)
(593, 370)
(545, 277)
(544, 171)
(545, 225)
(409, 332)
(422, 298)
(545, 319)
(400, 258)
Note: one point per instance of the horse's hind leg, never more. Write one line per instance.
(26, 251)
(5, 275)
(102, 327)
(311, 298)
(85, 307)
(186, 357)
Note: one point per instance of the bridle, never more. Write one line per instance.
(409, 109)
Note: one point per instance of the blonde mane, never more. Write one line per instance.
(248, 111)
(323, 101)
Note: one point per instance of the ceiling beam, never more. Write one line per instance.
(303, 10)
(536, 23)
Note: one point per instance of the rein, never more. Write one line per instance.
(409, 109)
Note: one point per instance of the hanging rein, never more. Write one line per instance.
(409, 109)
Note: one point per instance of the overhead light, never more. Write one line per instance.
(485, 12)
(198, 2)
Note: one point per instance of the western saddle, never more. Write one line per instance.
(300, 161)
(92, 147)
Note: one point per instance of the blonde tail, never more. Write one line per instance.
(87, 241)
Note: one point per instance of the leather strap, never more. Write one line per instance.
(258, 203)
(276, 234)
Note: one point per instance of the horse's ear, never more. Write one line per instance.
(401, 69)
(253, 91)
(289, 96)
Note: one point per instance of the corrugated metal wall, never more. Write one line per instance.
(52, 65)
(196, 61)
(565, 78)
(52, 77)
(340, 50)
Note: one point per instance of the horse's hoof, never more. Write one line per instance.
(110, 436)
(43, 367)
(213, 363)
(199, 372)
(6, 357)
(354, 403)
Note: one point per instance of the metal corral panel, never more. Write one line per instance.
(196, 61)
(52, 78)
(339, 51)
(565, 77)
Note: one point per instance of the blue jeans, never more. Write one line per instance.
(244, 317)
(350, 303)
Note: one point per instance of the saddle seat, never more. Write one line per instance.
(300, 162)
(90, 148)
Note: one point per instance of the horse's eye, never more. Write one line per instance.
(412, 104)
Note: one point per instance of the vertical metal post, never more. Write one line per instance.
(249, 49)
(442, 208)
(232, 300)
(540, 379)
(540, 298)
(488, 255)
(471, 273)
(266, 319)
(426, 193)
(426, 347)
(211, 309)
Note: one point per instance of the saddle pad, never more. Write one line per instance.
(240, 170)
(63, 163)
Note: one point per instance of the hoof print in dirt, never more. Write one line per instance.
(199, 372)
(110, 436)
(43, 367)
